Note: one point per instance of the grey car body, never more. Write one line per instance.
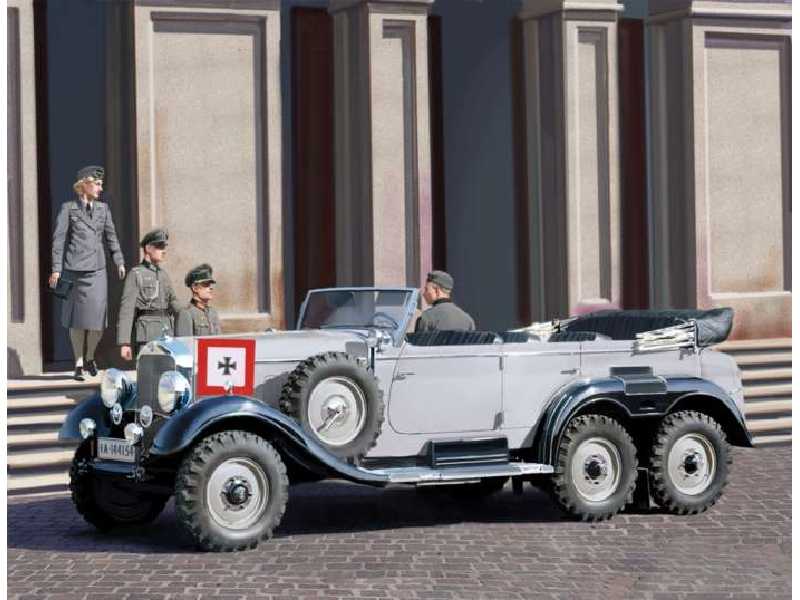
(459, 408)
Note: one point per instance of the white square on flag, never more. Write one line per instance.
(226, 364)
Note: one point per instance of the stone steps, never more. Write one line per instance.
(37, 460)
(766, 367)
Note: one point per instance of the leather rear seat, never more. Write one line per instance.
(451, 338)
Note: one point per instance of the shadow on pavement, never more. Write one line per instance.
(52, 524)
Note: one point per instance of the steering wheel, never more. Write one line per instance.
(383, 315)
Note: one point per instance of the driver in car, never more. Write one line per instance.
(443, 312)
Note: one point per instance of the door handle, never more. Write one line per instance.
(569, 371)
(402, 376)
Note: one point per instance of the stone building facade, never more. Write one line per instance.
(549, 153)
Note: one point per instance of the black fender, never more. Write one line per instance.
(93, 408)
(651, 401)
(189, 424)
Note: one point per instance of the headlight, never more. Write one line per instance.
(87, 427)
(133, 433)
(113, 387)
(173, 389)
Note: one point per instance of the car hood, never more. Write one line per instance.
(299, 345)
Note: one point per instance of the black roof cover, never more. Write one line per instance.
(713, 326)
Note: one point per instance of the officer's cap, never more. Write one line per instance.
(156, 236)
(93, 171)
(442, 279)
(199, 274)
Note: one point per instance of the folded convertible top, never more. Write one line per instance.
(713, 326)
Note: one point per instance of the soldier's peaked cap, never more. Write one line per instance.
(199, 274)
(154, 237)
(93, 171)
(441, 278)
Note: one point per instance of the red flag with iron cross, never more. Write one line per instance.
(225, 366)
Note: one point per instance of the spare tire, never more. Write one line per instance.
(337, 401)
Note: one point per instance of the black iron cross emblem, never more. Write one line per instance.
(227, 365)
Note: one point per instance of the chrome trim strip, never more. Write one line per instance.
(274, 361)
(270, 361)
(426, 475)
(427, 356)
(621, 351)
(543, 353)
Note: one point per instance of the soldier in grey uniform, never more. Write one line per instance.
(79, 256)
(199, 318)
(443, 312)
(148, 298)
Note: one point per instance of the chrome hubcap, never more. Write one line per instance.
(337, 410)
(692, 464)
(237, 493)
(596, 468)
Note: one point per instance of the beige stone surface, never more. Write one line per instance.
(24, 352)
(745, 195)
(722, 174)
(583, 266)
(382, 154)
(209, 145)
(389, 210)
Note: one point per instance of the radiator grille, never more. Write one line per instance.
(148, 371)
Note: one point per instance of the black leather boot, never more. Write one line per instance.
(91, 366)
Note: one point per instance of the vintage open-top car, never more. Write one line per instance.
(592, 407)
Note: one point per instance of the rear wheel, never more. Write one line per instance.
(106, 502)
(689, 462)
(231, 491)
(596, 468)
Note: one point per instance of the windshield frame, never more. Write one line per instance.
(398, 334)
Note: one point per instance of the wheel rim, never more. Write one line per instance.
(692, 463)
(596, 468)
(336, 410)
(237, 493)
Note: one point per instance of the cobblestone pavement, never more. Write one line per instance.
(341, 540)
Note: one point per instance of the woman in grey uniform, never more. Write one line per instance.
(83, 228)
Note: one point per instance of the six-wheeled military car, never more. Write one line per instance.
(594, 408)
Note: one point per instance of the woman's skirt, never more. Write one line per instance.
(87, 303)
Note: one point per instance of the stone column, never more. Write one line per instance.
(721, 150)
(572, 147)
(382, 142)
(208, 116)
(25, 280)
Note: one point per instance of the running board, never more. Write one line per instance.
(427, 475)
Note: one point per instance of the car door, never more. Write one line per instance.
(532, 373)
(446, 389)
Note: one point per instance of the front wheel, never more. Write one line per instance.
(231, 491)
(689, 462)
(596, 468)
(106, 502)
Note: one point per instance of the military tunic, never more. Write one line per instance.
(79, 255)
(197, 321)
(148, 305)
(445, 315)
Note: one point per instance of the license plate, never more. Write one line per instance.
(113, 449)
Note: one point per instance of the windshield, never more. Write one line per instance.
(356, 309)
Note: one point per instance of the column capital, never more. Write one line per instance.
(533, 9)
(746, 9)
(212, 4)
(391, 6)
